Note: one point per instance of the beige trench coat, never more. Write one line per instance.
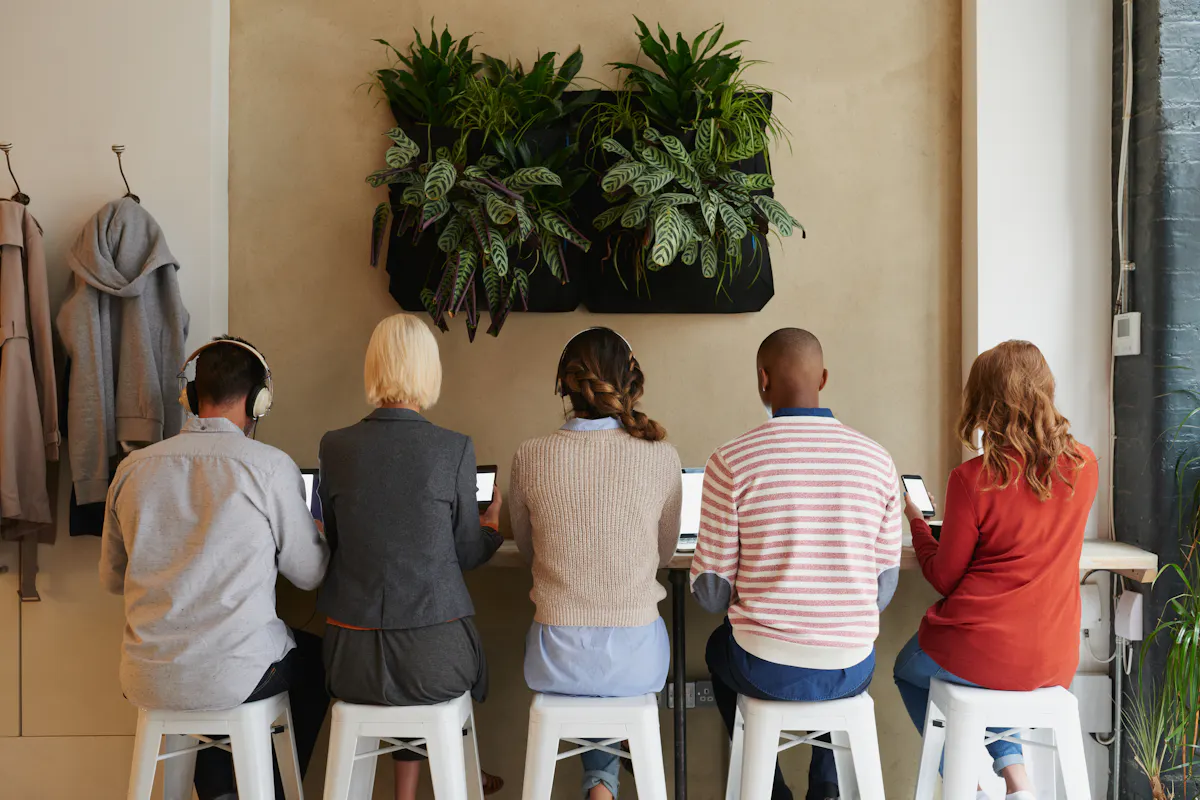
(29, 434)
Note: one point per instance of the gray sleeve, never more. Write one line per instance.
(888, 580)
(712, 592)
(302, 555)
(114, 559)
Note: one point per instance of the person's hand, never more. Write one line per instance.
(911, 511)
(320, 526)
(491, 517)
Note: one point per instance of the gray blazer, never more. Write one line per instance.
(398, 499)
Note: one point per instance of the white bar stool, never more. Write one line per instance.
(437, 732)
(246, 731)
(611, 720)
(760, 724)
(958, 718)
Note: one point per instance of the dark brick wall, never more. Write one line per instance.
(1165, 245)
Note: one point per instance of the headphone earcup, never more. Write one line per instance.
(189, 399)
(258, 402)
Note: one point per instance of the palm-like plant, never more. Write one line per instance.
(426, 83)
(675, 203)
(480, 214)
(1150, 724)
(701, 80)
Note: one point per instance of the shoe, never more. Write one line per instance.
(981, 796)
(1020, 796)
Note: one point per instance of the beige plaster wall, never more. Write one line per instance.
(873, 173)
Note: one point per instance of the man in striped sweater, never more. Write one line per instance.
(800, 545)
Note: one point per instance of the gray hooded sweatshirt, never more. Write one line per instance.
(124, 328)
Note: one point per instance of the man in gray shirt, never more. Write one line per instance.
(196, 531)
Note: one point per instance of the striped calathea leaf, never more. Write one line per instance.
(492, 223)
(674, 202)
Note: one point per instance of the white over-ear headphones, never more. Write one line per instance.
(258, 402)
(558, 388)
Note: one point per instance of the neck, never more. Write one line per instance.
(405, 406)
(798, 400)
(235, 412)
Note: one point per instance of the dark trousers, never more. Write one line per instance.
(301, 674)
(729, 681)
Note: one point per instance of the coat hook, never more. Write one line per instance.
(20, 196)
(118, 149)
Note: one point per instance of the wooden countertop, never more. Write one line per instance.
(1118, 557)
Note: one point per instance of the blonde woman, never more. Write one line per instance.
(595, 509)
(1009, 548)
(398, 498)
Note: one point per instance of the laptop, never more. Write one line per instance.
(689, 517)
(311, 480)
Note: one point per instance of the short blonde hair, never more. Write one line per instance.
(402, 364)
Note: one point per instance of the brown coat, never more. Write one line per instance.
(28, 396)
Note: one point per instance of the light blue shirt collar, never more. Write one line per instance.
(581, 424)
(196, 424)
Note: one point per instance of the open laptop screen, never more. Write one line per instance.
(310, 491)
(689, 518)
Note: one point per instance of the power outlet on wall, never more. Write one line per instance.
(696, 693)
(1127, 334)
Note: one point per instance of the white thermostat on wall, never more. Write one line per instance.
(1127, 334)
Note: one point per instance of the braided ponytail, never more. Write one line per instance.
(603, 379)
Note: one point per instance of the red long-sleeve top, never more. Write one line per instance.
(1007, 567)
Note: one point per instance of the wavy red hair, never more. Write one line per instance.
(1009, 400)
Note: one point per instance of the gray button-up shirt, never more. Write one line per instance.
(197, 528)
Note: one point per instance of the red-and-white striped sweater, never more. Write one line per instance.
(800, 516)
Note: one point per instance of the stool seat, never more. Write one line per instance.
(248, 732)
(444, 732)
(760, 724)
(610, 721)
(957, 720)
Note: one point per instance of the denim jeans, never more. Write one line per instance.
(913, 671)
(735, 672)
(600, 768)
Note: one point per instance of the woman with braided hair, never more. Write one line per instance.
(595, 510)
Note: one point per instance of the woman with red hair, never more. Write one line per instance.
(1007, 561)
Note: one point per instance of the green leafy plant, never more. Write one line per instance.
(483, 215)
(670, 202)
(698, 81)
(428, 81)
(1150, 723)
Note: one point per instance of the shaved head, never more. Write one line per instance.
(791, 369)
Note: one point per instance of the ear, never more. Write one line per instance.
(824, 380)
(764, 381)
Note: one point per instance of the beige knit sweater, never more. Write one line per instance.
(596, 514)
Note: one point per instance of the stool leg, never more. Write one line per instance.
(844, 758)
(362, 787)
(470, 744)
(287, 757)
(180, 771)
(251, 740)
(145, 758)
(760, 749)
(339, 765)
(645, 745)
(964, 735)
(733, 783)
(447, 767)
(1041, 764)
(1068, 738)
(541, 756)
(933, 741)
(864, 744)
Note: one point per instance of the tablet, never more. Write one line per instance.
(485, 485)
